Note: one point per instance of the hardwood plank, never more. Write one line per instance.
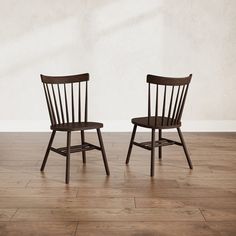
(39, 192)
(7, 214)
(155, 192)
(125, 214)
(13, 183)
(208, 183)
(106, 182)
(223, 228)
(36, 202)
(176, 201)
(18, 164)
(186, 202)
(144, 228)
(219, 214)
(37, 228)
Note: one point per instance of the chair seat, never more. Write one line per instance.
(73, 126)
(143, 122)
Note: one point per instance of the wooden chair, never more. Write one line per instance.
(66, 97)
(169, 99)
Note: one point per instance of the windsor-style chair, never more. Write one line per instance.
(67, 98)
(168, 105)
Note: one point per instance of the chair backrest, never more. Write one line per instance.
(67, 98)
(170, 95)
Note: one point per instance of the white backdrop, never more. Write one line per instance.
(118, 42)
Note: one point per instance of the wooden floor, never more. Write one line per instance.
(176, 202)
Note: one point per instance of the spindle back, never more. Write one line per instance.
(170, 95)
(67, 98)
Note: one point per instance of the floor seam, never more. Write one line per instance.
(14, 214)
(202, 214)
(135, 206)
(76, 229)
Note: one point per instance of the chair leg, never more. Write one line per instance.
(68, 157)
(153, 153)
(131, 144)
(160, 148)
(82, 142)
(185, 148)
(48, 150)
(103, 152)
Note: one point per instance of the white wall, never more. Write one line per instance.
(118, 42)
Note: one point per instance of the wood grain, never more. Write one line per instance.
(145, 228)
(175, 202)
(37, 228)
(42, 202)
(7, 214)
(99, 214)
(220, 214)
(228, 203)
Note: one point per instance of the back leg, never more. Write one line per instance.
(185, 148)
(131, 144)
(48, 150)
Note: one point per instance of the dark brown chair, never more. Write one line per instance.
(169, 99)
(67, 98)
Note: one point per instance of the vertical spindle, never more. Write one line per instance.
(149, 102)
(61, 107)
(72, 103)
(51, 105)
(86, 103)
(67, 112)
(182, 105)
(156, 112)
(170, 106)
(180, 101)
(48, 105)
(79, 103)
(175, 106)
(55, 103)
(163, 108)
